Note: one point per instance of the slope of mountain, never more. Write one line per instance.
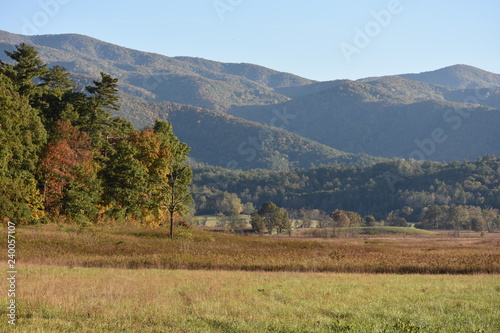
(484, 96)
(306, 89)
(222, 140)
(259, 74)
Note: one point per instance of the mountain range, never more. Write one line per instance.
(394, 117)
(247, 116)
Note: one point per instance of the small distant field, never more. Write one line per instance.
(64, 299)
(361, 232)
(214, 220)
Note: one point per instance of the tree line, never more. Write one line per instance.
(459, 218)
(62, 155)
(396, 192)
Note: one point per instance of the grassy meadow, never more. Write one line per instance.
(63, 299)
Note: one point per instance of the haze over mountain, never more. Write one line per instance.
(448, 114)
(394, 117)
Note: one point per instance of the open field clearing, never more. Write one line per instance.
(214, 220)
(139, 247)
(63, 299)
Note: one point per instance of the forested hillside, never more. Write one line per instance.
(222, 140)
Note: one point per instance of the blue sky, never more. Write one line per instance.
(321, 40)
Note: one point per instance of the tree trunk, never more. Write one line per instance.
(171, 224)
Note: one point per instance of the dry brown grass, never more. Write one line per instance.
(138, 247)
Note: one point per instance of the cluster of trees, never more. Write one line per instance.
(459, 218)
(308, 218)
(62, 155)
(213, 202)
(345, 219)
(270, 217)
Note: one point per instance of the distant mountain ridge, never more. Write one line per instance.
(320, 122)
(458, 76)
(455, 76)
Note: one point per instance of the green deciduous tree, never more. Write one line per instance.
(369, 221)
(283, 222)
(228, 204)
(126, 182)
(20, 199)
(433, 217)
(340, 219)
(393, 219)
(491, 217)
(354, 218)
(271, 215)
(258, 223)
(248, 208)
(458, 216)
(23, 134)
(173, 194)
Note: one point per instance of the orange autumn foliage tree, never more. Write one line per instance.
(68, 160)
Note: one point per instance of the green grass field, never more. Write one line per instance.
(62, 299)
(361, 231)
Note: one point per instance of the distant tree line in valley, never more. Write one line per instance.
(395, 192)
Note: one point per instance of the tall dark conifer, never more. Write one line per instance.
(27, 67)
